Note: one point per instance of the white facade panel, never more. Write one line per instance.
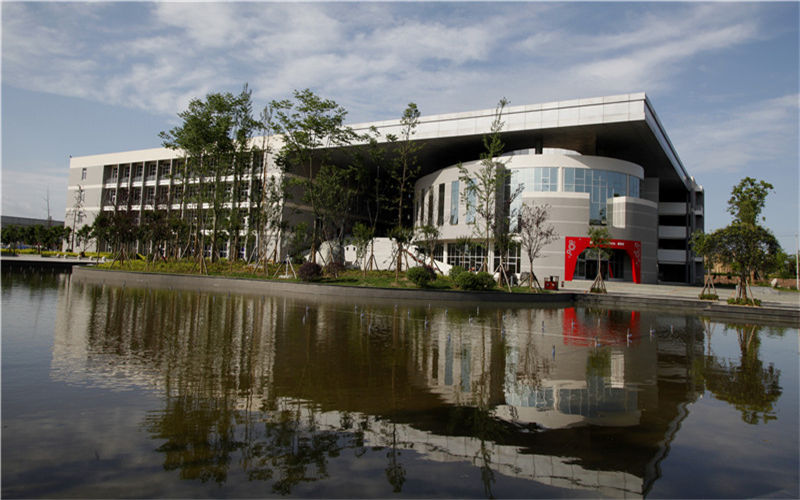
(671, 256)
(672, 232)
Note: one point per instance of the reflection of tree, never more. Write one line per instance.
(598, 364)
(200, 437)
(395, 472)
(749, 386)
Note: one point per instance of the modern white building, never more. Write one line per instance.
(605, 160)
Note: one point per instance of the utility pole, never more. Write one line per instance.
(796, 262)
(47, 202)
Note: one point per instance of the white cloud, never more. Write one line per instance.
(25, 192)
(356, 53)
(736, 140)
(652, 56)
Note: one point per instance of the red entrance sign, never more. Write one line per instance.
(576, 245)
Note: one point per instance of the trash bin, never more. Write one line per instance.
(551, 283)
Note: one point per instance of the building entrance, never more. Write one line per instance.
(616, 267)
(624, 261)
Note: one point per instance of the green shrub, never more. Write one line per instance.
(455, 271)
(597, 290)
(310, 271)
(708, 296)
(421, 275)
(333, 269)
(744, 302)
(478, 281)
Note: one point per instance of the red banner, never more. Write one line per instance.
(576, 245)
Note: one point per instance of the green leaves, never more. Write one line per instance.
(748, 199)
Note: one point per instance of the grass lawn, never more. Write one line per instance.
(353, 277)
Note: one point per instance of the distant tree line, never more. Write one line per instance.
(38, 236)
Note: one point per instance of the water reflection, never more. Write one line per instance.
(748, 385)
(277, 387)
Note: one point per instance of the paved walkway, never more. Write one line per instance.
(34, 258)
(766, 295)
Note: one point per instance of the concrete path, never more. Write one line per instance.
(768, 296)
(34, 258)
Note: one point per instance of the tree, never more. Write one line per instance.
(748, 199)
(487, 191)
(534, 234)
(311, 127)
(372, 192)
(244, 126)
(84, 236)
(11, 236)
(77, 211)
(361, 239)
(102, 230)
(336, 193)
(404, 169)
(428, 237)
(747, 248)
(154, 231)
(706, 246)
(269, 194)
(215, 137)
(744, 245)
(598, 238)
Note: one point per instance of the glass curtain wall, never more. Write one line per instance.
(601, 185)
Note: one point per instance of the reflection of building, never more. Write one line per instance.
(522, 391)
(604, 160)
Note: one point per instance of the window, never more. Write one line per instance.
(634, 186)
(601, 185)
(468, 255)
(421, 206)
(440, 206)
(83, 174)
(454, 203)
(430, 206)
(471, 201)
(512, 262)
(538, 179)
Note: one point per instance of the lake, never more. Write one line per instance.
(122, 392)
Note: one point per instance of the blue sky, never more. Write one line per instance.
(87, 78)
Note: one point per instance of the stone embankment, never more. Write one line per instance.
(786, 310)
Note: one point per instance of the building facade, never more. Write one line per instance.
(600, 161)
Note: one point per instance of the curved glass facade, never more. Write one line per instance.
(600, 184)
(539, 179)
